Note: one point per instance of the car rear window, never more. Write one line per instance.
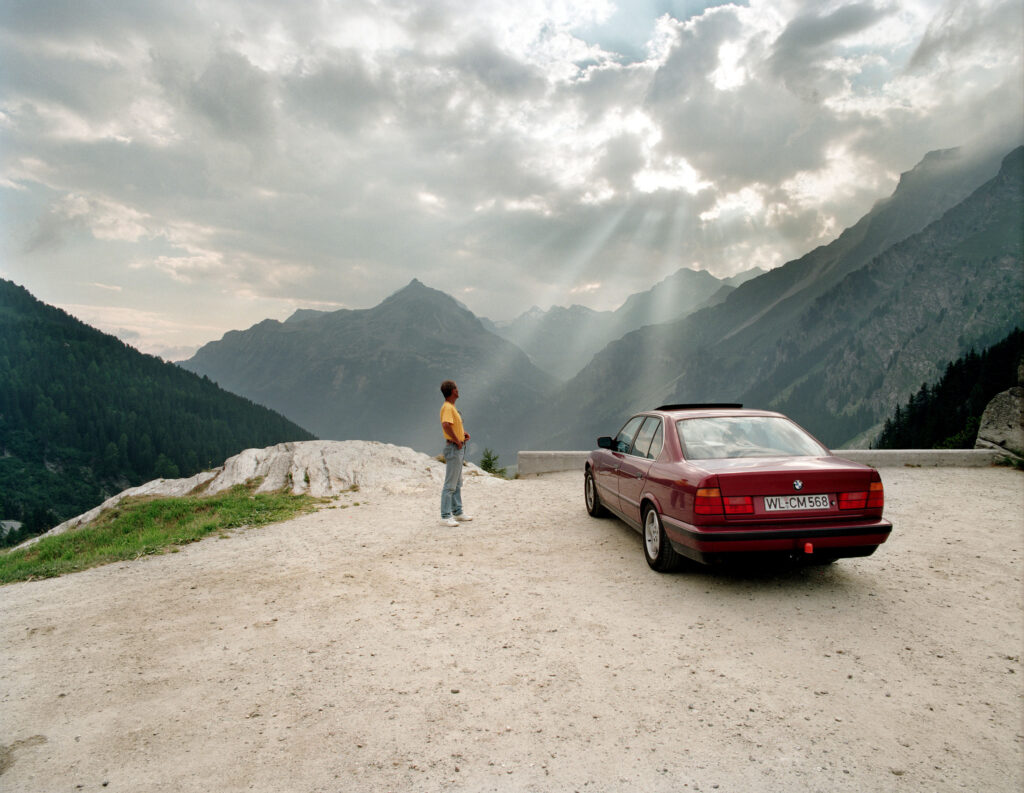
(723, 437)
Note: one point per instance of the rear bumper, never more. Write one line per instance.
(834, 542)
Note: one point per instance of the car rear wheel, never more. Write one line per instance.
(658, 551)
(594, 507)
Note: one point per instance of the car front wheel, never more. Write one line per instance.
(658, 551)
(594, 507)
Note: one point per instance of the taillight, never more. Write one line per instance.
(739, 505)
(708, 501)
(854, 500)
(872, 498)
(876, 496)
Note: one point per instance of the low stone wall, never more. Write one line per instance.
(533, 463)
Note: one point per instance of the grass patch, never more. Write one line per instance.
(146, 526)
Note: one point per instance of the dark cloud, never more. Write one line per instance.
(93, 90)
(340, 91)
(621, 160)
(496, 71)
(964, 25)
(799, 54)
(234, 97)
(110, 22)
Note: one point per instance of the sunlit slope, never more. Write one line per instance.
(837, 336)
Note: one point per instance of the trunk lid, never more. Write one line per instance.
(792, 488)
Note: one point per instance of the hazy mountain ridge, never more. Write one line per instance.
(374, 374)
(957, 284)
(561, 341)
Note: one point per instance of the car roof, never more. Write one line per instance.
(711, 409)
(700, 406)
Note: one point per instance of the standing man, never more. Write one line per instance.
(455, 437)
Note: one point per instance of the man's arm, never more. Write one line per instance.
(449, 432)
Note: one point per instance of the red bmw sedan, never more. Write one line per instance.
(714, 483)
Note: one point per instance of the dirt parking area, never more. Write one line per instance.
(367, 648)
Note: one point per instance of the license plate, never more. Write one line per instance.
(790, 503)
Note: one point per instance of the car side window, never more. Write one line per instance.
(624, 440)
(643, 438)
(656, 442)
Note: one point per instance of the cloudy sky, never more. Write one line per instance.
(171, 170)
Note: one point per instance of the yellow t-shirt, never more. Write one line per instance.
(451, 416)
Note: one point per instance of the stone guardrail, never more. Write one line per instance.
(533, 463)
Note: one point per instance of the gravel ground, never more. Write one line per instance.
(367, 648)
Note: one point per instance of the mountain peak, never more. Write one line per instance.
(418, 292)
(415, 288)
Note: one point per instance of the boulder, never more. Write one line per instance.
(1002, 424)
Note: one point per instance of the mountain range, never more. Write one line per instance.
(835, 338)
(561, 341)
(375, 374)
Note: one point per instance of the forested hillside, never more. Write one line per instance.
(83, 416)
(946, 414)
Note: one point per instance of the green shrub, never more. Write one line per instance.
(489, 462)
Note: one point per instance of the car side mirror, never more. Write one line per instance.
(604, 442)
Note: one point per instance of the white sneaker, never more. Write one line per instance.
(463, 518)
(451, 522)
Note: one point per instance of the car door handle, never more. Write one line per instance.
(638, 475)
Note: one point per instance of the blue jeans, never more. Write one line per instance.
(451, 492)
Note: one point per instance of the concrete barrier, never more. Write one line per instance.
(921, 458)
(534, 463)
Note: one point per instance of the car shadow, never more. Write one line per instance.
(762, 574)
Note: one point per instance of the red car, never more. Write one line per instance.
(716, 482)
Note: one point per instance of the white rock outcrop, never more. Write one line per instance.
(320, 468)
(328, 468)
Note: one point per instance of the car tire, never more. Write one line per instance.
(593, 501)
(658, 551)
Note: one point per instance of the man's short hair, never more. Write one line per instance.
(447, 387)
